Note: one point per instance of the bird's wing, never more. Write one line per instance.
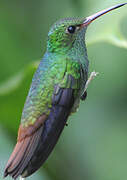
(36, 141)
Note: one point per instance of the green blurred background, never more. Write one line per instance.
(94, 145)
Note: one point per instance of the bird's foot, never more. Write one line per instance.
(66, 124)
(84, 95)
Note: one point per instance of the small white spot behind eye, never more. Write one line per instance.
(77, 28)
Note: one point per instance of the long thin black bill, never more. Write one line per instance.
(91, 18)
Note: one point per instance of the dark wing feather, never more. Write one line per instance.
(36, 142)
(53, 127)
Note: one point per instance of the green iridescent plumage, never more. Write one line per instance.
(66, 55)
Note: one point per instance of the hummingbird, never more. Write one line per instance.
(58, 85)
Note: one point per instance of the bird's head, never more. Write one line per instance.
(64, 33)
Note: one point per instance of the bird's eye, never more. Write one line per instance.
(71, 29)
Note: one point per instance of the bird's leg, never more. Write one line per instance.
(92, 76)
(21, 178)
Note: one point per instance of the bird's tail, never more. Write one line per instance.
(22, 154)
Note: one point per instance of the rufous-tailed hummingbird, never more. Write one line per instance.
(57, 87)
